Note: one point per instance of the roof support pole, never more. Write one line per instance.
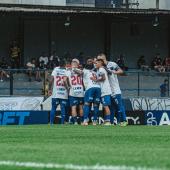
(107, 35)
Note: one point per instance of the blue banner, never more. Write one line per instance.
(157, 118)
(23, 117)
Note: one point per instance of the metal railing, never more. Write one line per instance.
(133, 83)
(24, 82)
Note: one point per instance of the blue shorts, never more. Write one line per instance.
(92, 95)
(106, 100)
(56, 102)
(75, 101)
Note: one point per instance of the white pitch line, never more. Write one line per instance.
(70, 166)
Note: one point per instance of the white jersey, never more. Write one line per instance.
(105, 85)
(88, 83)
(113, 80)
(76, 83)
(59, 90)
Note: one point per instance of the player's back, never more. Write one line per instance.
(105, 85)
(76, 83)
(59, 89)
(113, 79)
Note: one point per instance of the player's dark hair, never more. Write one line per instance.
(102, 61)
(62, 63)
(100, 54)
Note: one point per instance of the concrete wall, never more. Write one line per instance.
(35, 38)
(35, 2)
(9, 27)
(148, 41)
(85, 34)
(81, 36)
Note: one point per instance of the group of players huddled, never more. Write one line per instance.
(82, 89)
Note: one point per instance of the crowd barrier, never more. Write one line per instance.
(33, 110)
(151, 118)
(23, 117)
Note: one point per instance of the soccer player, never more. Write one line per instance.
(92, 92)
(102, 78)
(116, 96)
(76, 93)
(60, 91)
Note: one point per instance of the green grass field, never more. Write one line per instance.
(134, 146)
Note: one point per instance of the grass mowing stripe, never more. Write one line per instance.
(70, 166)
(132, 146)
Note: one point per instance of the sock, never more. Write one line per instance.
(112, 115)
(118, 117)
(52, 113)
(124, 115)
(86, 110)
(63, 113)
(81, 119)
(96, 111)
(107, 118)
(74, 119)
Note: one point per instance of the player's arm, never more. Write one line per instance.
(51, 82)
(101, 77)
(118, 71)
(78, 71)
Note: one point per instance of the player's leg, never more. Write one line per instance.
(113, 109)
(80, 107)
(106, 101)
(86, 111)
(63, 104)
(73, 104)
(120, 109)
(87, 106)
(96, 103)
(54, 103)
(67, 112)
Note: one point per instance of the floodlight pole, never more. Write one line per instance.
(127, 4)
(157, 4)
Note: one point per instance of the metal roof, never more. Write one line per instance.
(79, 10)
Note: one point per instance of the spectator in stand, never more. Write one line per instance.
(167, 64)
(3, 66)
(141, 63)
(43, 61)
(15, 55)
(164, 88)
(53, 60)
(121, 63)
(32, 66)
(157, 64)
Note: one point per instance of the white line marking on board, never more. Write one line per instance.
(70, 166)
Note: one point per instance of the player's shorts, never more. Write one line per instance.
(75, 101)
(57, 101)
(92, 95)
(106, 100)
